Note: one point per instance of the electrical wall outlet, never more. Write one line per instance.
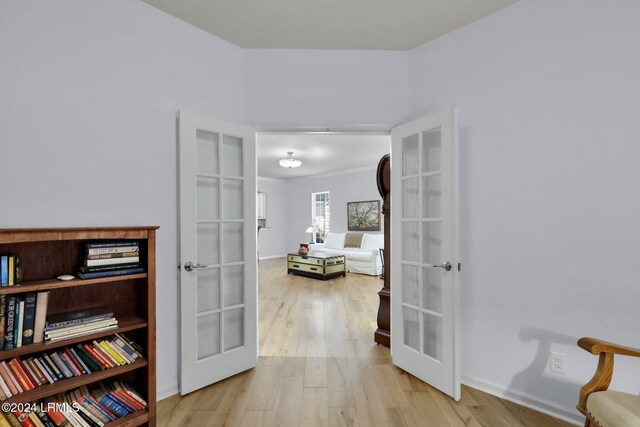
(557, 361)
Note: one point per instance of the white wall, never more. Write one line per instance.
(548, 109)
(326, 87)
(343, 188)
(272, 239)
(89, 93)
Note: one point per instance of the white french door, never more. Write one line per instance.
(424, 253)
(218, 253)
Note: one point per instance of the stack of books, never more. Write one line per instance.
(76, 324)
(19, 376)
(110, 259)
(89, 406)
(22, 319)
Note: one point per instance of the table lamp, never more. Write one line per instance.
(310, 231)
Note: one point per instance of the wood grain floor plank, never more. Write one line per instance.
(343, 417)
(315, 408)
(286, 411)
(318, 366)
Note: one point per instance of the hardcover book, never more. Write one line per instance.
(3, 319)
(85, 269)
(4, 270)
(29, 318)
(118, 244)
(41, 316)
(76, 317)
(12, 270)
(112, 261)
(111, 273)
(11, 314)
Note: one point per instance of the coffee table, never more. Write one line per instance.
(317, 265)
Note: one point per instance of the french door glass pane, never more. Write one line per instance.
(410, 158)
(431, 242)
(206, 152)
(410, 198)
(233, 285)
(432, 289)
(411, 329)
(233, 328)
(232, 198)
(410, 285)
(432, 339)
(431, 194)
(410, 231)
(431, 150)
(207, 198)
(208, 238)
(231, 156)
(233, 242)
(208, 289)
(208, 335)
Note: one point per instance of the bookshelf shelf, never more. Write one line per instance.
(125, 324)
(73, 383)
(51, 284)
(131, 420)
(47, 253)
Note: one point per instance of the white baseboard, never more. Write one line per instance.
(536, 403)
(271, 257)
(166, 391)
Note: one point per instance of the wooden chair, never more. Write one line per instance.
(604, 408)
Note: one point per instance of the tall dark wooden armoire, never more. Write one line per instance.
(383, 333)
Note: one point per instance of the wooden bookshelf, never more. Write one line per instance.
(48, 253)
(125, 324)
(135, 419)
(74, 382)
(45, 285)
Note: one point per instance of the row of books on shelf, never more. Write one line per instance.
(107, 259)
(19, 376)
(24, 320)
(9, 270)
(88, 406)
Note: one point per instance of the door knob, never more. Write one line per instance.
(189, 266)
(446, 266)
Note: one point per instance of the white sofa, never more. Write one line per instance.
(363, 260)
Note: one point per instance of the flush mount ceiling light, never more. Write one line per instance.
(290, 162)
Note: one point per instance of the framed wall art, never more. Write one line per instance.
(363, 216)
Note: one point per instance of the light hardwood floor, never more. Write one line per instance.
(320, 367)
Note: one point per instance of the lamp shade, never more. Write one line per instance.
(309, 230)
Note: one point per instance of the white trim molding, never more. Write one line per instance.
(334, 173)
(321, 129)
(570, 415)
(271, 257)
(268, 178)
(166, 391)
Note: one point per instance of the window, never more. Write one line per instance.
(320, 215)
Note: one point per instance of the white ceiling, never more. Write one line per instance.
(319, 153)
(330, 24)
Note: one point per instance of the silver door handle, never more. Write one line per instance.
(446, 266)
(189, 266)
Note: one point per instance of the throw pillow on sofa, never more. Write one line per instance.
(353, 240)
